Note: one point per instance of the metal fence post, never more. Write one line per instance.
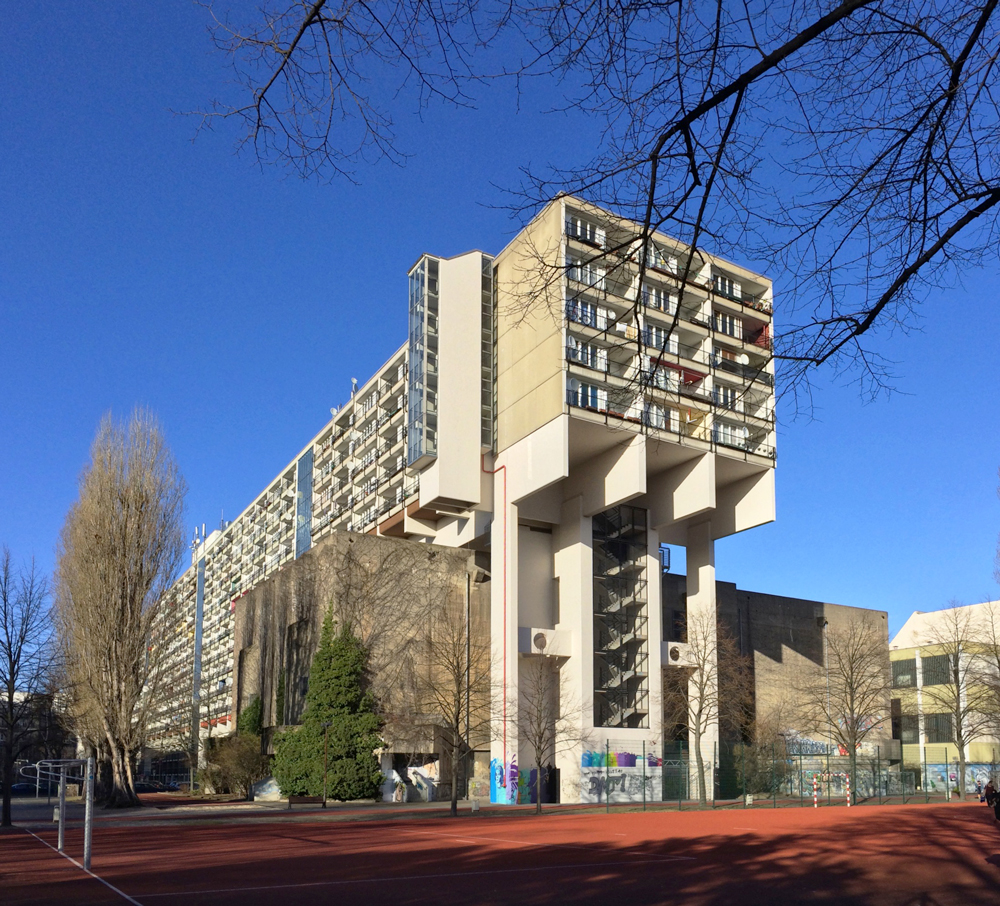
(88, 819)
(715, 778)
(878, 757)
(801, 802)
(774, 780)
(927, 795)
(644, 775)
(743, 772)
(607, 775)
(62, 806)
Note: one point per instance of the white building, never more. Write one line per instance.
(554, 409)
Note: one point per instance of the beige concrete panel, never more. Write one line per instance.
(682, 492)
(538, 460)
(529, 328)
(744, 504)
(535, 580)
(614, 477)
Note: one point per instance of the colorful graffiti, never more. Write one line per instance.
(505, 783)
(620, 777)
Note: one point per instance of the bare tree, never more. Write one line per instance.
(454, 681)
(850, 145)
(312, 74)
(955, 679)
(713, 690)
(988, 650)
(547, 722)
(849, 700)
(119, 551)
(26, 662)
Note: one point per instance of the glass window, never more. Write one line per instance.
(936, 670)
(937, 728)
(904, 674)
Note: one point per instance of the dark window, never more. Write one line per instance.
(904, 673)
(936, 670)
(909, 729)
(678, 626)
(937, 728)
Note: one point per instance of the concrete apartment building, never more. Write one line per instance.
(939, 659)
(567, 407)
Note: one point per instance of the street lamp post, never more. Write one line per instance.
(326, 756)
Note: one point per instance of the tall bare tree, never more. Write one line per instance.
(851, 145)
(714, 689)
(958, 684)
(454, 681)
(548, 723)
(26, 662)
(849, 700)
(119, 552)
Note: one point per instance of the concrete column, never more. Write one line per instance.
(504, 622)
(573, 564)
(702, 623)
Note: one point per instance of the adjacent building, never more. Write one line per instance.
(565, 409)
(944, 669)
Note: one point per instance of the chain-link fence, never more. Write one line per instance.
(771, 775)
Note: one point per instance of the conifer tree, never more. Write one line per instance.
(338, 694)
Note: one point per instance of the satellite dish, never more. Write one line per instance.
(675, 653)
(540, 641)
(743, 358)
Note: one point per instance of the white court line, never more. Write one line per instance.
(411, 878)
(87, 870)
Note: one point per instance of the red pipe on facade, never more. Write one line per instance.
(503, 469)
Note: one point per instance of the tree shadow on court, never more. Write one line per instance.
(897, 857)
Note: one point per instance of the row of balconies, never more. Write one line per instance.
(692, 423)
(622, 253)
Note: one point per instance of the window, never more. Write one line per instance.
(588, 314)
(660, 299)
(727, 324)
(730, 435)
(659, 338)
(936, 670)
(587, 354)
(585, 272)
(727, 286)
(728, 398)
(904, 674)
(906, 729)
(585, 231)
(587, 396)
(660, 376)
(657, 259)
(937, 728)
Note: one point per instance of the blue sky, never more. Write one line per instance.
(140, 265)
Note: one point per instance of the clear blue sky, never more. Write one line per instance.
(140, 266)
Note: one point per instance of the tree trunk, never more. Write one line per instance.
(454, 775)
(961, 772)
(538, 789)
(122, 794)
(700, 762)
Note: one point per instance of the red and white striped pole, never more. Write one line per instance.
(848, 778)
(815, 792)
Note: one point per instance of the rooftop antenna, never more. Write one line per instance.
(354, 385)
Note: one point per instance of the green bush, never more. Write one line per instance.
(251, 719)
(338, 694)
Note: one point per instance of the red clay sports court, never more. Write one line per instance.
(915, 855)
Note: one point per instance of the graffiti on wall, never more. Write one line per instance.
(505, 782)
(620, 777)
